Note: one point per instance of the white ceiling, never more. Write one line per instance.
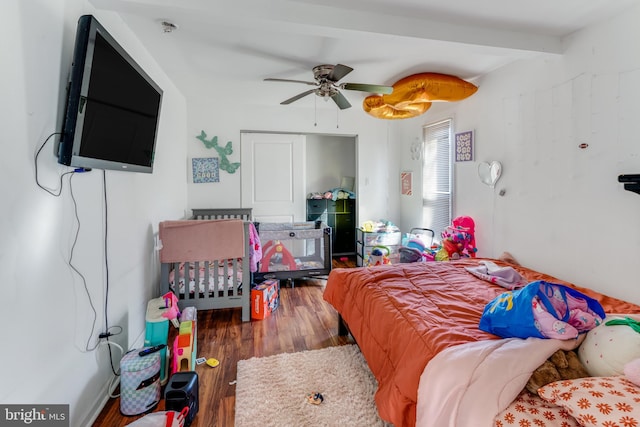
(227, 47)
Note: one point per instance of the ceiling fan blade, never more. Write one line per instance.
(338, 72)
(298, 96)
(269, 79)
(383, 90)
(341, 101)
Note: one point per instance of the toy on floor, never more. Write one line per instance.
(275, 253)
(172, 311)
(162, 418)
(315, 398)
(379, 256)
(468, 226)
(184, 348)
(458, 240)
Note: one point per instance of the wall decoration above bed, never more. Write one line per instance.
(205, 169)
(490, 173)
(223, 152)
(464, 146)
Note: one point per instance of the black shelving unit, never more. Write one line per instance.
(340, 215)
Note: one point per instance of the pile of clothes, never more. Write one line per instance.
(333, 194)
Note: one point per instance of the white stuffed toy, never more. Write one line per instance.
(609, 347)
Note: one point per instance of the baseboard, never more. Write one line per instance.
(99, 405)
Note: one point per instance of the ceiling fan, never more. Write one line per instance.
(327, 86)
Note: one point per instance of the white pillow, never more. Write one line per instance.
(606, 349)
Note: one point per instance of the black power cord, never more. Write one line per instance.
(106, 266)
(57, 193)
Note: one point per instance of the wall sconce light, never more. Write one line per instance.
(490, 173)
(416, 149)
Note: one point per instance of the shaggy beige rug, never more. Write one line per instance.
(272, 391)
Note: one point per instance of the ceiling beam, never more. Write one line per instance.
(295, 17)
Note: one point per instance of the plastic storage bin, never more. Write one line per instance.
(366, 241)
(156, 332)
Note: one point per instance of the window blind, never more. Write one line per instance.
(436, 176)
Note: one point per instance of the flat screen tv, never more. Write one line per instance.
(113, 106)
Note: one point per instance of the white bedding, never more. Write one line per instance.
(469, 384)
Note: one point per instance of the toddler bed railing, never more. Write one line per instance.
(221, 276)
(233, 213)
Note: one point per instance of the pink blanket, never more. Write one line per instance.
(469, 384)
(201, 240)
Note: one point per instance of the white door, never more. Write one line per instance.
(272, 175)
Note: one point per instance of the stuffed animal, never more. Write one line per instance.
(458, 239)
(562, 365)
(608, 347)
(466, 225)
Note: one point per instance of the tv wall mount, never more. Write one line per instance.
(631, 182)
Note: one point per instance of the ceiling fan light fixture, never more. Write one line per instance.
(326, 78)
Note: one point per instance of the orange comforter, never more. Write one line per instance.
(402, 315)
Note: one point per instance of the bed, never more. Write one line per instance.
(205, 261)
(411, 321)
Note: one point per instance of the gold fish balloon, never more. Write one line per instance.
(414, 94)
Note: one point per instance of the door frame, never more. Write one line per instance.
(356, 141)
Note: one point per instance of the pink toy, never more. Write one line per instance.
(458, 239)
(184, 348)
(173, 311)
(467, 225)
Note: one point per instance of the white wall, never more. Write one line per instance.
(563, 211)
(49, 322)
(376, 150)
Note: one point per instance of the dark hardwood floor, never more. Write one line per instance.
(304, 321)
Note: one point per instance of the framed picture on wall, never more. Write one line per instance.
(406, 183)
(464, 146)
(205, 169)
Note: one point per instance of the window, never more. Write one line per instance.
(436, 176)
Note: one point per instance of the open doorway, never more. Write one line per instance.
(316, 184)
(330, 163)
(330, 175)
